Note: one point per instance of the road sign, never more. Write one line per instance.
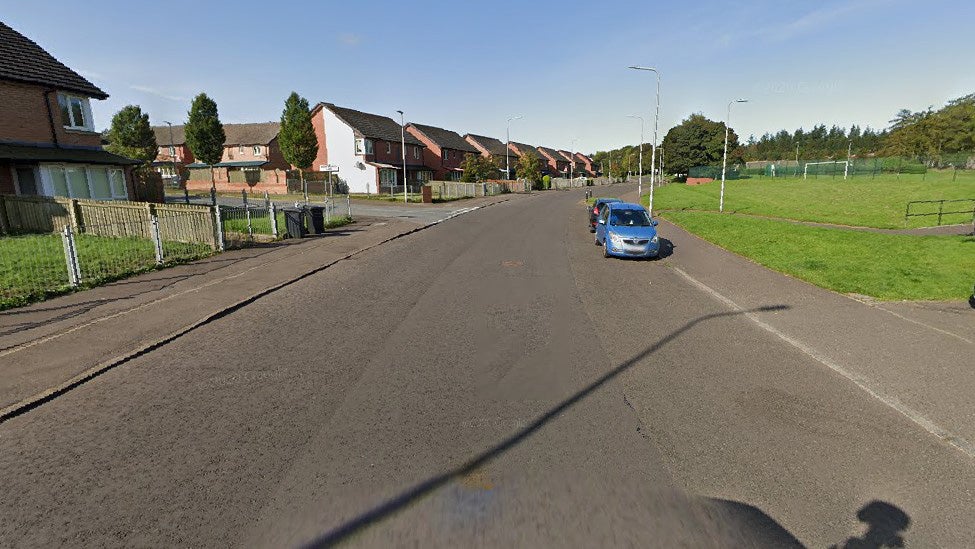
(327, 168)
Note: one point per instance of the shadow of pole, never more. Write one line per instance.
(404, 499)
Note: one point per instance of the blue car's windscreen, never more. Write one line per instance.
(629, 218)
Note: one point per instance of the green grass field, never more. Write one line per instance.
(883, 266)
(861, 201)
(33, 267)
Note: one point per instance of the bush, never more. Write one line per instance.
(547, 182)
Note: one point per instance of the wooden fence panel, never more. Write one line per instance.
(177, 222)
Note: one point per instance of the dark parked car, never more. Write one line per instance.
(597, 206)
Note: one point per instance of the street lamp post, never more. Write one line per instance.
(572, 161)
(507, 146)
(724, 161)
(402, 133)
(639, 179)
(653, 150)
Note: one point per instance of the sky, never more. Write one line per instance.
(562, 65)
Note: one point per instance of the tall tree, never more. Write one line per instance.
(529, 168)
(297, 139)
(478, 168)
(698, 141)
(205, 135)
(131, 136)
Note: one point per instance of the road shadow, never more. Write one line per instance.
(666, 248)
(418, 491)
(885, 522)
(767, 531)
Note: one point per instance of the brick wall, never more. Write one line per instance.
(183, 154)
(24, 117)
(318, 122)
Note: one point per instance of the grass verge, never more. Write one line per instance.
(888, 267)
(862, 201)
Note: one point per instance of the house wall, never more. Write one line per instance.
(183, 154)
(24, 118)
(318, 123)
(340, 142)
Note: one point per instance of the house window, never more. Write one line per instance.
(416, 153)
(387, 178)
(75, 112)
(369, 146)
(446, 154)
(240, 149)
(172, 151)
(257, 150)
(389, 148)
(79, 181)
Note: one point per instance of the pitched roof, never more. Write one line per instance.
(495, 147)
(22, 60)
(259, 133)
(445, 138)
(528, 149)
(553, 153)
(583, 157)
(567, 155)
(61, 154)
(372, 126)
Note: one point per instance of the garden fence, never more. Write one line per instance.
(33, 266)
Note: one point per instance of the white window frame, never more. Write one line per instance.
(240, 149)
(46, 187)
(369, 147)
(389, 148)
(257, 150)
(416, 153)
(88, 124)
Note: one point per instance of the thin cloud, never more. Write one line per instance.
(818, 18)
(158, 93)
(350, 39)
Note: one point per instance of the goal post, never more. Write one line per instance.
(845, 163)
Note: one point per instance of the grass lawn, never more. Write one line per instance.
(863, 201)
(33, 267)
(888, 267)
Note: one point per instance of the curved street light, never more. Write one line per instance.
(656, 117)
(724, 161)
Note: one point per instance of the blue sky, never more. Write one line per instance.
(562, 65)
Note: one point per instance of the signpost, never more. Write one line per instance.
(330, 169)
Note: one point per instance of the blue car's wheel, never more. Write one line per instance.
(605, 248)
(595, 239)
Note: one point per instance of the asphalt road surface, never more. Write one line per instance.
(493, 381)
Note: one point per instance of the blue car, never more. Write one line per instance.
(626, 230)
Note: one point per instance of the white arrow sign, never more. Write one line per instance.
(327, 168)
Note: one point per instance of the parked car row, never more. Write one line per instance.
(623, 229)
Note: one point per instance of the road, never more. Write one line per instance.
(491, 380)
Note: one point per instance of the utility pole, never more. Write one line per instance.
(402, 131)
(507, 146)
(656, 116)
(724, 162)
(639, 185)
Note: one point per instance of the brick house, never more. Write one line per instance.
(521, 148)
(48, 142)
(366, 148)
(173, 155)
(495, 149)
(557, 163)
(251, 160)
(586, 164)
(444, 152)
(577, 166)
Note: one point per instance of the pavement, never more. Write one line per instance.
(419, 213)
(492, 380)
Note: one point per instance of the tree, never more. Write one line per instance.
(297, 139)
(529, 168)
(698, 141)
(131, 136)
(478, 168)
(205, 135)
